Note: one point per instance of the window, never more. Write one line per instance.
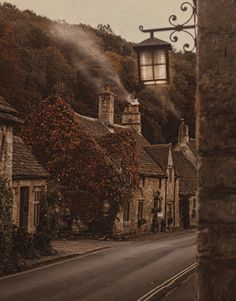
(169, 211)
(153, 65)
(126, 211)
(140, 209)
(194, 203)
(38, 195)
(159, 183)
(142, 182)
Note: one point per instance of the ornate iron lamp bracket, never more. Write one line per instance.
(189, 24)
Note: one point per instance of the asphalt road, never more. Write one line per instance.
(123, 273)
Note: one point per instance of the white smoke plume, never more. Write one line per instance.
(89, 49)
(161, 95)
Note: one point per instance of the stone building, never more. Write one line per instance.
(185, 162)
(25, 175)
(163, 154)
(156, 175)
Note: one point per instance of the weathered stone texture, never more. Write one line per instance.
(33, 184)
(216, 136)
(6, 151)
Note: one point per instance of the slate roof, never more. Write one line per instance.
(147, 166)
(25, 165)
(192, 145)
(95, 127)
(160, 153)
(7, 113)
(186, 172)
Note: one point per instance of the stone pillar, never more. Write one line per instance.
(106, 106)
(216, 138)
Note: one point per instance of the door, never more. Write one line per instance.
(24, 207)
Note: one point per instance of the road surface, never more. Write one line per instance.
(124, 273)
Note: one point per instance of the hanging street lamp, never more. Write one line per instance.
(153, 54)
(153, 61)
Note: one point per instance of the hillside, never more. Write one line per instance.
(40, 57)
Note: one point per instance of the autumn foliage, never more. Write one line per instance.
(94, 180)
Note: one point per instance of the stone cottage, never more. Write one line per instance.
(156, 178)
(185, 161)
(163, 154)
(25, 175)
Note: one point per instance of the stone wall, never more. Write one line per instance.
(6, 151)
(34, 185)
(145, 194)
(172, 193)
(216, 135)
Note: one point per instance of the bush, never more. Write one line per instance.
(5, 224)
(16, 245)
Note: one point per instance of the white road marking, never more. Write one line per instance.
(167, 283)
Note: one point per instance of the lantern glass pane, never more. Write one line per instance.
(159, 56)
(160, 71)
(145, 57)
(146, 73)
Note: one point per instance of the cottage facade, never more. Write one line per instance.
(185, 161)
(145, 211)
(21, 169)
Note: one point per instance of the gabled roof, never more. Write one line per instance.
(147, 166)
(25, 165)
(186, 172)
(160, 153)
(93, 125)
(192, 145)
(7, 113)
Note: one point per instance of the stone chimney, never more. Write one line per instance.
(132, 117)
(106, 105)
(183, 137)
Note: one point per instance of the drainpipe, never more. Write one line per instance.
(166, 198)
(174, 201)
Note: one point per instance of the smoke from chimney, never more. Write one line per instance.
(88, 47)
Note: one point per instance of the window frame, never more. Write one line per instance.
(153, 65)
(38, 196)
(126, 212)
(140, 209)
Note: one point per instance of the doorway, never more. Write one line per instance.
(24, 207)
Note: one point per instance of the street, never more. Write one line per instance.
(125, 272)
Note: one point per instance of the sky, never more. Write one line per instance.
(124, 16)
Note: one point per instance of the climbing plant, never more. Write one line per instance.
(93, 183)
(5, 223)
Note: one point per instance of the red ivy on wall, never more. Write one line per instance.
(96, 177)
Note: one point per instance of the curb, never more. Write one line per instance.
(164, 236)
(51, 262)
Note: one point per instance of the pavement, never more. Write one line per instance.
(121, 271)
(184, 291)
(69, 248)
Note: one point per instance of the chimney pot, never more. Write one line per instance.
(183, 137)
(131, 116)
